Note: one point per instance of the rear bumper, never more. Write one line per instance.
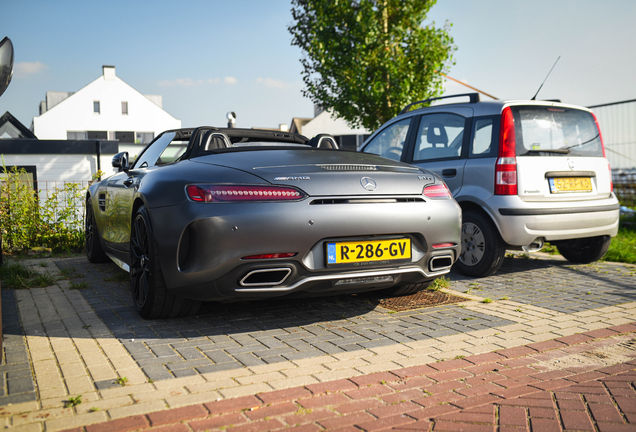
(201, 246)
(520, 225)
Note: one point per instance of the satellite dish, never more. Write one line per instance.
(6, 63)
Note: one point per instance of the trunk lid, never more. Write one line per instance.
(560, 155)
(327, 172)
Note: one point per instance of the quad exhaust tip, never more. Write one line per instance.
(265, 277)
(439, 263)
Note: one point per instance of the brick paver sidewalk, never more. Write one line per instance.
(552, 385)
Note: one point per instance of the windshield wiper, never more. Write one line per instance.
(564, 150)
(583, 143)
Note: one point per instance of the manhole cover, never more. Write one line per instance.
(421, 299)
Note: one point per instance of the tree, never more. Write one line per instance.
(366, 59)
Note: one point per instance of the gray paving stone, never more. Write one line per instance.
(20, 385)
(248, 359)
(219, 356)
(190, 364)
(185, 372)
(379, 343)
(106, 384)
(274, 359)
(298, 355)
(157, 373)
(219, 367)
(328, 348)
(19, 398)
(18, 373)
(163, 351)
(190, 353)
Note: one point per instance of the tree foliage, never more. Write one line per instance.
(366, 59)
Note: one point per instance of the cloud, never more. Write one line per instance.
(270, 82)
(24, 69)
(230, 80)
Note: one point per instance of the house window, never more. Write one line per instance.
(124, 108)
(75, 135)
(96, 107)
(97, 135)
(144, 137)
(125, 137)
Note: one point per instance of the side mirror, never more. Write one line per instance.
(120, 161)
(6, 63)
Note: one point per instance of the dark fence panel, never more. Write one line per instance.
(625, 187)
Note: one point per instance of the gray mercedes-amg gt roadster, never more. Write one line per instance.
(212, 214)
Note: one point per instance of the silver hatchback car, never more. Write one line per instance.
(524, 172)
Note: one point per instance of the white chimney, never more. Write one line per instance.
(109, 72)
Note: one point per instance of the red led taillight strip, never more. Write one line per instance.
(242, 193)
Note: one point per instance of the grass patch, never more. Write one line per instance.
(549, 249)
(17, 276)
(439, 283)
(73, 401)
(78, 285)
(623, 246)
(119, 277)
(71, 273)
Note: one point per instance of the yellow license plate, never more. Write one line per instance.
(367, 252)
(570, 184)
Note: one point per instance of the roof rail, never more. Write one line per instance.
(474, 98)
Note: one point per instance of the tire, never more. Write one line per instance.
(150, 295)
(584, 250)
(483, 249)
(404, 290)
(94, 251)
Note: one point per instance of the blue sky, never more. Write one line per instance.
(210, 57)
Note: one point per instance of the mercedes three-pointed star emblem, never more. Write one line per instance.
(368, 183)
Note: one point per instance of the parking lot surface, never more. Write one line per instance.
(82, 337)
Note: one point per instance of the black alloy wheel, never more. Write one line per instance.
(140, 263)
(94, 251)
(150, 295)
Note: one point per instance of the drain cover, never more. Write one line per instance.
(421, 299)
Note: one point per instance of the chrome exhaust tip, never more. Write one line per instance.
(535, 246)
(265, 277)
(439, 263)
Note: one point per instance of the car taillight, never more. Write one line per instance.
(271, 256)
(437, 191)
(600, 136)
(506, 167)
(443, 245)
(242, 193)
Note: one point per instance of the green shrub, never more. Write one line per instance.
(52, 219)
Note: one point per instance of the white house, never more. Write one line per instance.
(323, 122)
(106, 109)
